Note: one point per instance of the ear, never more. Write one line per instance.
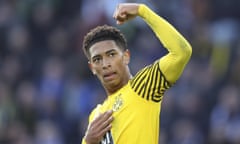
(91, 68)
(126, 57)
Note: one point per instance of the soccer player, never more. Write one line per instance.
(131, 112)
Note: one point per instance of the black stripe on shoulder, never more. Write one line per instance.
(150, 82)
(157, 82)
(137, 78)
(157, 98)
(142, 90)
(167, 84)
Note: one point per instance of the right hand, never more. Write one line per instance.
(98, 128)
(125, 12)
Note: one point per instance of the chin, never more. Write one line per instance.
(112, 83)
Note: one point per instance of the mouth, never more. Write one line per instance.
(109, 76)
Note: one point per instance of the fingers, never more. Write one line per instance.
(125, 12)
(120, 14)
(105, 129)
(99, 126)
(103, 117)
(115, 12)
(103, 120)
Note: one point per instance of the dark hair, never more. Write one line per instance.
(101, 33)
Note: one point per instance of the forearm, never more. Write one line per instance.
(179, 49)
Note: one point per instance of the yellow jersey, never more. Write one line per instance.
(136, 106)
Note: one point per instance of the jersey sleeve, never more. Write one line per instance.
(179, 50)
(150, 83)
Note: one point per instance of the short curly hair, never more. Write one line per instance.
(101, 33)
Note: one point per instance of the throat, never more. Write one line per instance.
(112, 89)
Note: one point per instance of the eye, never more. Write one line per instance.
(112, 54)
(96, 60)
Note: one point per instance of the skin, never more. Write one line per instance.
(110, 64)
(98, 128)
(125, 12)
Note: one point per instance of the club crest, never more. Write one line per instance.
(118, 103)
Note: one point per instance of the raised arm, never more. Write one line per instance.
(179, 49)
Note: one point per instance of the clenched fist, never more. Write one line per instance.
(125, 12)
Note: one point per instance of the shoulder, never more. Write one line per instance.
(150, 83)
(145, 71)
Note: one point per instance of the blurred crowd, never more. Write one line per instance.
(47, 90)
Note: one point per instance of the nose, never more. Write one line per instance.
(106, 63)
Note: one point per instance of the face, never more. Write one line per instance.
(109, 63)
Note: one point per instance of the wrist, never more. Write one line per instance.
(142, 8)
(87, 141)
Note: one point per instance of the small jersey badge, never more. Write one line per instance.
(118, 103)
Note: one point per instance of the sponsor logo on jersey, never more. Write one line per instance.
(107, 139)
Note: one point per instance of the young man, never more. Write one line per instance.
(130, 113)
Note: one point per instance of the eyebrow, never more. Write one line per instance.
(112, 50)
(107, 52)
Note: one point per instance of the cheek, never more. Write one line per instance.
(120, 64)
(97, 70)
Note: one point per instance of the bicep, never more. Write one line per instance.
(172, 65)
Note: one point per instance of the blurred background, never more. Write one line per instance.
(47, 90)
